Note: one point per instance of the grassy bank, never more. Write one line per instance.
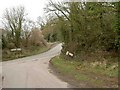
(7, 55)
(87, 73)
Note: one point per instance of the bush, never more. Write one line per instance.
(11, 45)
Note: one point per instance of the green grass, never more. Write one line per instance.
(83, 72)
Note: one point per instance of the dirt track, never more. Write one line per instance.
(32, 72)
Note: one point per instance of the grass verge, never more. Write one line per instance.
(25, 52)
(84, 73)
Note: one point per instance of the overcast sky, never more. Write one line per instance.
(34, 8)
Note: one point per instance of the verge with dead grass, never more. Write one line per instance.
(91, 74)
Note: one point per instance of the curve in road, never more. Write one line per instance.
(32, 72)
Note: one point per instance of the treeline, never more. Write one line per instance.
(85, 26)
(19, 31)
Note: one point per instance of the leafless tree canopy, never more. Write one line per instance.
(13, 19)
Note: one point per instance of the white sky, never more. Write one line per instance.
(34, 8)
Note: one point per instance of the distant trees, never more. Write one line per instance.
(41, 22)
(19, 31)
(37, 39)
(51, 30)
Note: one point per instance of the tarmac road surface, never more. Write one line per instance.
(32, 72)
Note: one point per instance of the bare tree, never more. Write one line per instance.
(41, 22)
(13, 19)
(37, 38)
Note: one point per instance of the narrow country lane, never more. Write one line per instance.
(32, 72)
